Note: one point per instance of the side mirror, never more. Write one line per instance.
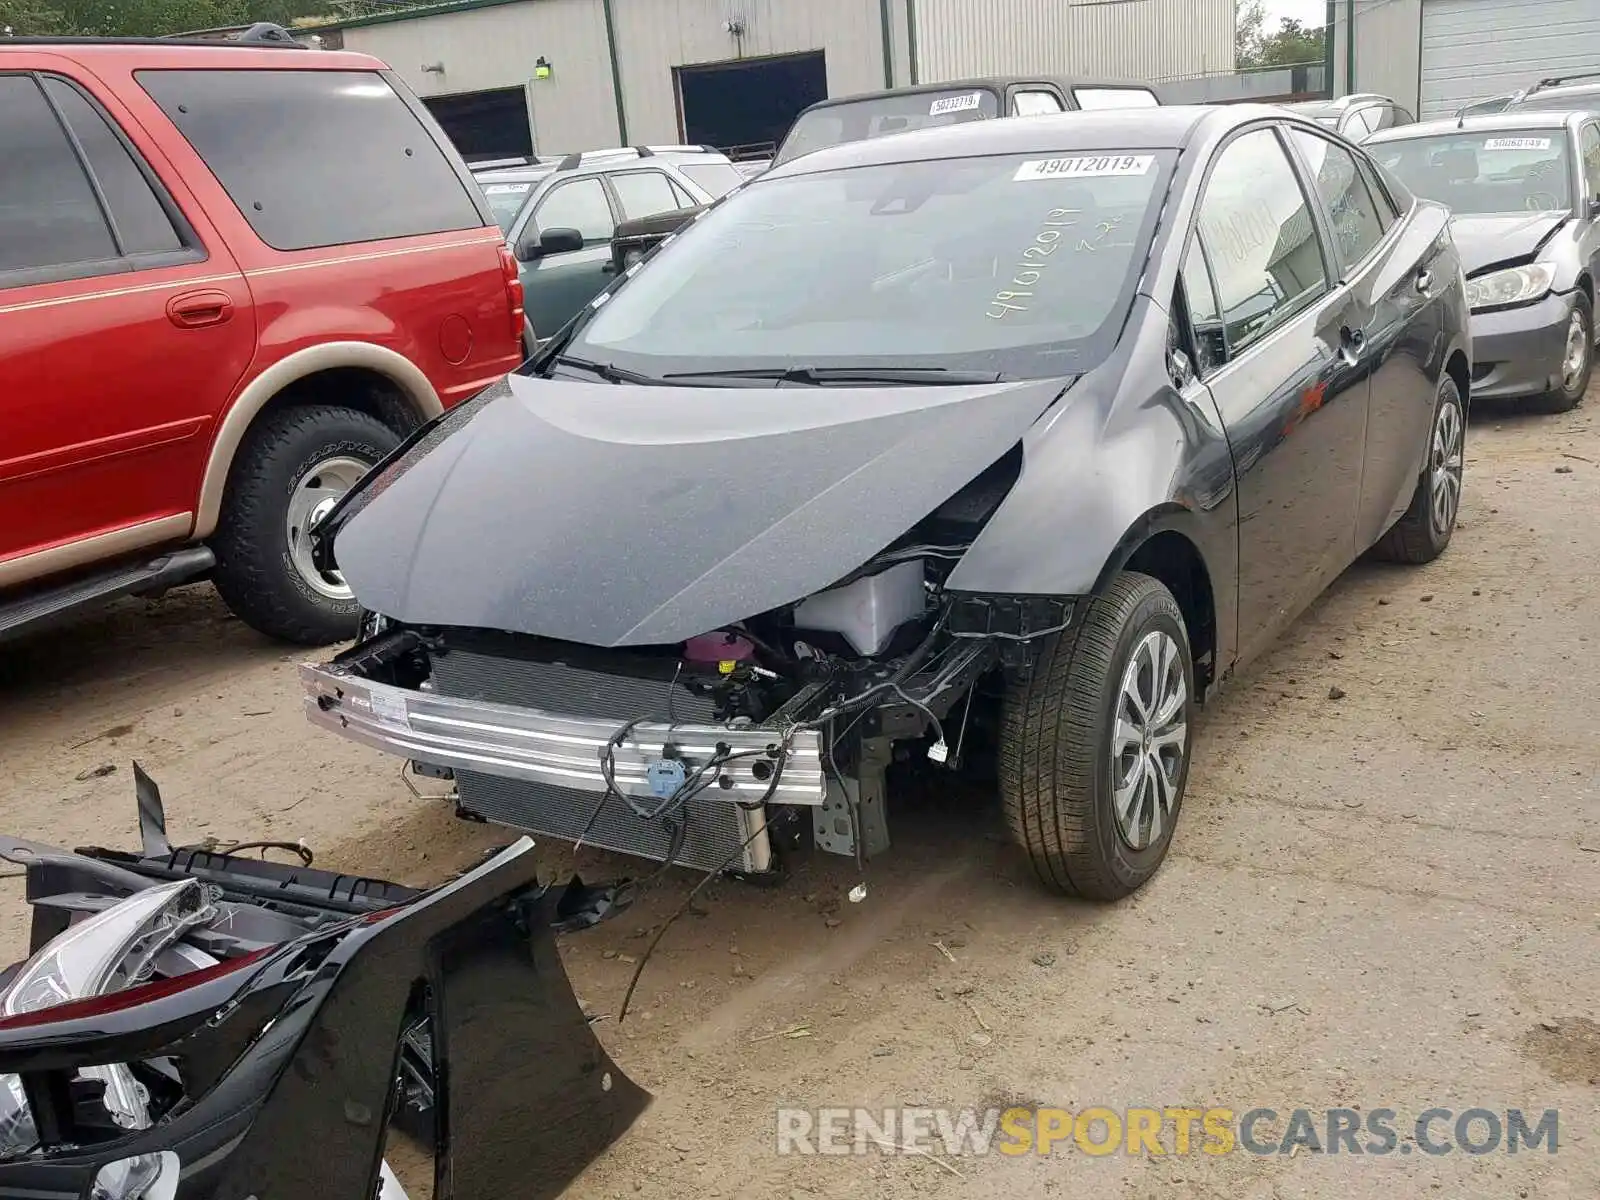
(536, 245)
(1594, 208)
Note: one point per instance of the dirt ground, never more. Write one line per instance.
(1387, 899)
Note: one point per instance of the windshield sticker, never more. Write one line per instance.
(950, 104)
(1014, 297)
(1517, 143)
(502, 189)
(1084, 167)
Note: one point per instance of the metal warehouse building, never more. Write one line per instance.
(510, 76)
(1441, 54)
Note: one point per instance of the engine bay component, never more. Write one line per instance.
(868, 611)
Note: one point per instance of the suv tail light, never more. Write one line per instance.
(508, 267)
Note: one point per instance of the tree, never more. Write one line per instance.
(30, 18)
(143, 18)
(1291, 44)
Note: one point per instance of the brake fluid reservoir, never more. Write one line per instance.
(867, 612)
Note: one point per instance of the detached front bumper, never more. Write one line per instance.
(534, 746)
(1517, 351)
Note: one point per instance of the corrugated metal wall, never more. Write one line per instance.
(496, 47)
(1139, 39)
(1388, 44)
(1474, 49)
(653, 36)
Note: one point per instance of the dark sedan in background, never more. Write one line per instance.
(1524, 188)
(992, 448)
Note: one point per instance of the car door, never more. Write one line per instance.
(1589, 172)
(125, 326)
(555, 287)
(1389, 280)
(1282, 362)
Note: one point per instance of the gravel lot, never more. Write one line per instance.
(1386, 899)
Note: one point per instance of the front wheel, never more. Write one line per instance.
(1095, 743)
(293, 467)
(1577, 361)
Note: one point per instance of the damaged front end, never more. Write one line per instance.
(682, 652)
(197, 1024)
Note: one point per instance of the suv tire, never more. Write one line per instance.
(1065, 760)
(291, 465)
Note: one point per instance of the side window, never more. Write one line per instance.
(643, 193)
(1260, 238)
(1381, 117)
(49, 216)
(1210, 347)
(683, 198)
(1035, 104)
(580, 205)
(1114, 97)
(143, 226)
(1358, 124)
(1357, 227)
(1403, 117)
(1589, 147)
(1388, 211)
(318, 158)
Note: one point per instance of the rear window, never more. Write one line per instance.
(876, 116)
(316, 158)
(718, 179)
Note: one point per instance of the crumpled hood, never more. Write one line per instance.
(619, 515)
(1492, 239)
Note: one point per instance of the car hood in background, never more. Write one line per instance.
(630, 515)
(1486, 240)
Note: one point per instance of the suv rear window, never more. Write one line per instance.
(316, 158)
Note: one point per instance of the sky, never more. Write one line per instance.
(1313, 13)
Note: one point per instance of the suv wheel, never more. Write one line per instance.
(1094, 751)
(292, 467)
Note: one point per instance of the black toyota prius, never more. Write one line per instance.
(992, 448)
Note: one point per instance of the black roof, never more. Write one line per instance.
(997, 83)
(1166, 127)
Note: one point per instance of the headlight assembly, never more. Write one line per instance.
(1512, 285)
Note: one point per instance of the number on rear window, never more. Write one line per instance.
(316, 158)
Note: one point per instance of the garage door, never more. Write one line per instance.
(1474, 49)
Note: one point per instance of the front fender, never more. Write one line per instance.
(1128, 457)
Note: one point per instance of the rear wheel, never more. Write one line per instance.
(1424, 531)
(293, 467)
(1095, 743)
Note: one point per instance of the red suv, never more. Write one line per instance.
(232, 277)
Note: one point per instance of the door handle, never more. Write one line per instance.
(196, 310)
(1424, 282)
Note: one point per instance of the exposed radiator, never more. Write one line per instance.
(716, 828)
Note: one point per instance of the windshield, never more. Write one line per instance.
(858, 120)
(505, 199)
(1019, 266)
(717, 178)
(1506, 171)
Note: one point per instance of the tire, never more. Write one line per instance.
(258, 572)
(1567, 396)
(1058, 773)
(1420, 536)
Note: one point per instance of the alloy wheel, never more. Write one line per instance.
(1444, 467)
(1149, 740)
(313, 494)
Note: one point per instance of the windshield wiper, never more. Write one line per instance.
(823, 376)
(605, 371)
